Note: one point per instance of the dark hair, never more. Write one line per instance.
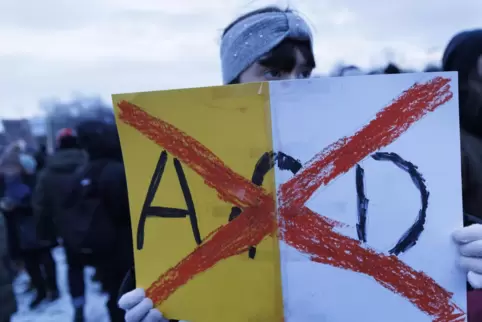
(99, 139)
(283, 56)
(392, 69)
(344, 69)
(68, 142)
(462, 53)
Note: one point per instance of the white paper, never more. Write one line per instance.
(308, 116)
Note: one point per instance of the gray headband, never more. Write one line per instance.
(255, 36)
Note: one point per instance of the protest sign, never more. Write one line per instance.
(329, 199)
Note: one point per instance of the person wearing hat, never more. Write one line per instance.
(54, 179)
(27, 238)
(267, 45)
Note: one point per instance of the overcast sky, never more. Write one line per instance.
(56, 48)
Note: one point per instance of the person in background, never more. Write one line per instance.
(275, 44)
(8, 304)
(41, 157)
(350, 70)
(53, 181)
(107, 240)
(27, 237)
(392, 69)
(464, 55)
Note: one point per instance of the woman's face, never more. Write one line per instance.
(258, 72)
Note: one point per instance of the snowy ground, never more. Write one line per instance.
(60, 310)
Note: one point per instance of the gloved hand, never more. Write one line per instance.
(469, 240)
(139, 308)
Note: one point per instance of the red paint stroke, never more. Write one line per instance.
(300, 227)
(233, 188)
(386, 127)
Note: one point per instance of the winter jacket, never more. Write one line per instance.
(102, 144)
(8, 305)
(471, 147)
(53, 186)
(25, 232)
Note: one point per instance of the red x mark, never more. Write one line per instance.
(300, 227)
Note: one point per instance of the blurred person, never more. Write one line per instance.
(8, 304)
(431, 68)
(265, 61)
(27, 238)
(464, 55)
(392, 69)
(41, 157)
(53, 182)
(96, 218)
(350, 70)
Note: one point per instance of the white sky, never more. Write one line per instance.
(54, 48)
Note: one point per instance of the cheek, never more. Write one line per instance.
(253, 73)
(249, 76)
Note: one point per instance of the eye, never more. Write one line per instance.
(272, 74)
(305, 74)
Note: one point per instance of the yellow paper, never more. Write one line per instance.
(234, 123)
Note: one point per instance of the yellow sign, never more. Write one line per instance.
(190, 158)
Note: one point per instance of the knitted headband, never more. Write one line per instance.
(251, 38)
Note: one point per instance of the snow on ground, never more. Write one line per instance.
(60, 310)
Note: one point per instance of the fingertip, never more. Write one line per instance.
(131, 299)
(468, 234)
(154, 315)
(474, 279)
(472, 249)
(473, 264)
(139, 311)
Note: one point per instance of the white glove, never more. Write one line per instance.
(469, 240)
(139, 308)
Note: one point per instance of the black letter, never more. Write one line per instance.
(411, 236)
(164, 212)
(263, 166)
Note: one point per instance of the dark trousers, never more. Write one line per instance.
(40, 265)
(111, 272)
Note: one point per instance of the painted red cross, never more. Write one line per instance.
(300, 227)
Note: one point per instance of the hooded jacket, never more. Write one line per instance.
(102, 144)
(53, 184)
(461, 55)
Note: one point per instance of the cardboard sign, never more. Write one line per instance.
(314, 200)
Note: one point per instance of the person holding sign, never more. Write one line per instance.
(263, 45)
(274, 44)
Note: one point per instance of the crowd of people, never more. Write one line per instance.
(78, 195)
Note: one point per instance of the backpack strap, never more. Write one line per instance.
(90, 171)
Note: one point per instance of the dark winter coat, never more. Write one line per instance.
(102, 144)
(471, 174)
(53, 186)
(25, 232)
(8, 305)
